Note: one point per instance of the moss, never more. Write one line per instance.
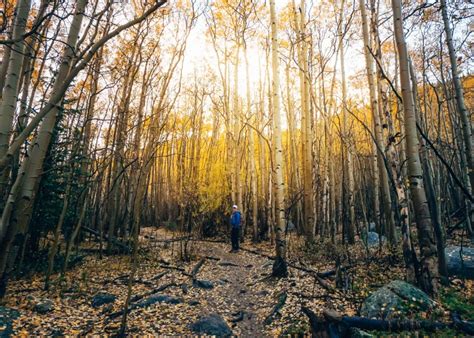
(454, 301)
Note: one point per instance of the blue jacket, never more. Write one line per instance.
(235, 220)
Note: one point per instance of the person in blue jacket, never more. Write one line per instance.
(235, 220)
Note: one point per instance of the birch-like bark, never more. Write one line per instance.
(10, 89)
(279, 267)
(347, 166)
(428, 278)
(252, 167)
(466, 120)
(57, 96)
(18, 211)
(307, 153)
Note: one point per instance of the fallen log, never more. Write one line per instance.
(172, 267)
(158, 276)
(149, 293)
(394, 325)
(337, 325)
(213, 258)
(196, 268)
(169, 240)
(124, 280)
(113, 240)
(227, 264)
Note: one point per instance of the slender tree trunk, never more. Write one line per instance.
(466, 121)
(428, 278)
(279, 267)
(307, 140)
(253, 174)
(10, 89)
(347, 143)
(430, 191)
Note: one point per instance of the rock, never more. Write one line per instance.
(193, 302)
(212, 324)
(203, 284)
(102, 298)
(44, 306)
(373, 239)
(7, 316)
(156, 298)
(396, 299)
(464, 268)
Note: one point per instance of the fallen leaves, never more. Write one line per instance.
(242, 285)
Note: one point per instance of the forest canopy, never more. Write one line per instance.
(341, 132)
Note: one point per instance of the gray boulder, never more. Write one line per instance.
(7, 316)
(44, 306)
(456, 266)
(396, 299)
(212, 324)
(203, 284)
(102, 298)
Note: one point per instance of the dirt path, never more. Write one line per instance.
(241, 293)
(238, 273)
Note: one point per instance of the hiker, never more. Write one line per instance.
(235, 223)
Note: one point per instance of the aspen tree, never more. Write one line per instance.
(28, 179)
(383, 149)
(380, 173)
(8, 100)
(347, 146)
(253, 173)
(466, 121)
(307, 153)
(280, 266)
(428, 279)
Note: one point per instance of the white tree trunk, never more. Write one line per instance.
(10, 90)
(280, 267)
(429, 278)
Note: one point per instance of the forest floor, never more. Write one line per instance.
(242, 293)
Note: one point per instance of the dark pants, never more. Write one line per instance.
(234, 237)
